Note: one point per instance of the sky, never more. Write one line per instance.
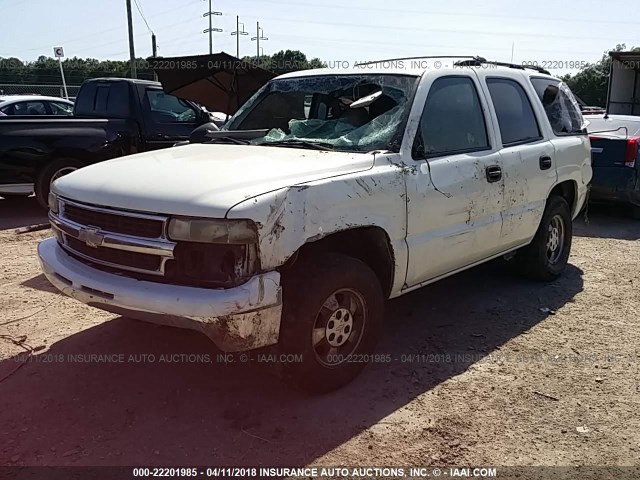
(549, 32)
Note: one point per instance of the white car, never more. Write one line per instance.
(357, 186)
(34, 105)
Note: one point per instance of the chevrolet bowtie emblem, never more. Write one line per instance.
(91, 236)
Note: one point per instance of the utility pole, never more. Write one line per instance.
(154, 53)
(210, 30)
(259, 36)
(132, 53)
(237, 33)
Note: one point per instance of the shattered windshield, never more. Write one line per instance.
(341, 112)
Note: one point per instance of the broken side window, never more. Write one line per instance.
(560, 105)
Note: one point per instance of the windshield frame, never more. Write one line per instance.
(393, 145)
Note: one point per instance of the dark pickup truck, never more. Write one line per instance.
(615, 154)
(112, 117)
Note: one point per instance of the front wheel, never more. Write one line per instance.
(332, 315)
(49, 174)
(546, 257)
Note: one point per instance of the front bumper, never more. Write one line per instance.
(236, 319)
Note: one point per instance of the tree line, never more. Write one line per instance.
(45, 70)
(590, 83)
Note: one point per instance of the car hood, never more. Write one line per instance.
(202, 180)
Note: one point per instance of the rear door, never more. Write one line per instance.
(528, 158)
(167, 119)
(566, 127)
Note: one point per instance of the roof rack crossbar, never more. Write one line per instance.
(479, 61)
(422, 57)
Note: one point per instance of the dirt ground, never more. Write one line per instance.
(481, 374)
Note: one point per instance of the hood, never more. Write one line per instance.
(202, 180)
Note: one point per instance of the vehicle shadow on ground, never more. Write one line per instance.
(40, 282)
(62, 409)
(21, 212)
(607, 221)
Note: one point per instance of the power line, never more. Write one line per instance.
(431, 30)
(93, 34)
(237, 34)
(259, 36)
(142, 15)
(209, 13)
(436, 12)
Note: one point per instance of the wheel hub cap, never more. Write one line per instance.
(555, 239)
(339, 327)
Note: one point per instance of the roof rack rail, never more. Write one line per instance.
(415, 58)
(478, 61)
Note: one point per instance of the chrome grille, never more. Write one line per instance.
(140, 261)
(118, 239)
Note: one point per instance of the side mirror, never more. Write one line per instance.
(203, 116)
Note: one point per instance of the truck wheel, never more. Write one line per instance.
(333, 308)
(546, 257)
(50, 173)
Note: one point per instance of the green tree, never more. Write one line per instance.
(286, 61)
(591, 83)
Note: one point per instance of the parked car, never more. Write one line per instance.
(112, 117)
(34, 105)
(291, 226)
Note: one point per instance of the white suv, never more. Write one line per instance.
(326, 194)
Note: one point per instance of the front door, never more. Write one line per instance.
(455, 191)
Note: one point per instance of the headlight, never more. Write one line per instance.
(234, 232)
(54, 203)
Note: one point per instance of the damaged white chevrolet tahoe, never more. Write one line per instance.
(323, 196)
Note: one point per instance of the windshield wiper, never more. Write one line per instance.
(299, 144)
(232, 140)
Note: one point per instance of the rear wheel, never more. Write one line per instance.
(50, 173)
(332, 316)
(546, 257)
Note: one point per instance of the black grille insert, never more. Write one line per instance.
(110, 222)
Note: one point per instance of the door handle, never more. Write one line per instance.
(494, 173)
(545, 162)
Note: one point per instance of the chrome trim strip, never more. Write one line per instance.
(161, 248)
(159, 272)
(17, 188)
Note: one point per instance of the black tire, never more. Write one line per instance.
(307, 287)
(49, 173)
(635, 212)
(537, 260)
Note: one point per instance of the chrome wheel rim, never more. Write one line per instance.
(555, 239)
(62, 172)
(338, 328)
